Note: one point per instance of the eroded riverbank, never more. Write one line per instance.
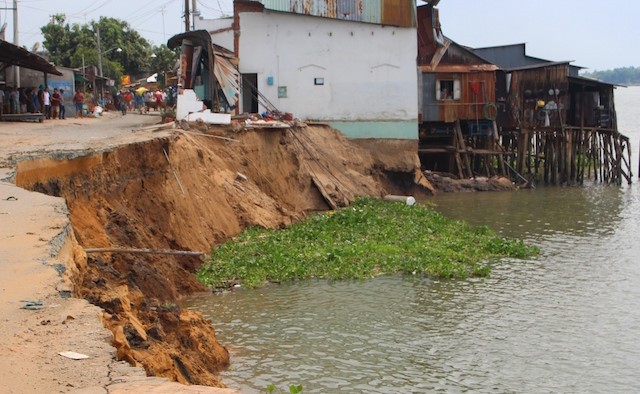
(202, 191)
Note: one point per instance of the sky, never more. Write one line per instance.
(595, 34)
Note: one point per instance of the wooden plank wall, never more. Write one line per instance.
(530, 86)
(470, 106)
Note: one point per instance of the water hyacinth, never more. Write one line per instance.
(371, 237)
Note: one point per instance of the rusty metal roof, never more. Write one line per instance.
(383, 12)
(12, 55)
(460, 68)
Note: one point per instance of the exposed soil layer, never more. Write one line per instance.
(190, 191)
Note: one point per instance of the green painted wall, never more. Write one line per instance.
(392, 129)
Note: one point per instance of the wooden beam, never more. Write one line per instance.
(143, 251)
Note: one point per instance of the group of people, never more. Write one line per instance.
(31, 100)
(52, 104)
(128, 100)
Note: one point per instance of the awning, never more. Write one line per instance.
(80, 78)
(12, 55)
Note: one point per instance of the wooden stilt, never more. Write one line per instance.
(498, 147)
(463, 148)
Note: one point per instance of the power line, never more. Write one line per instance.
(218, 10)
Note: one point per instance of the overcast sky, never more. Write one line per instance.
(596, 34)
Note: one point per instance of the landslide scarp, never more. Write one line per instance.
(189, 192)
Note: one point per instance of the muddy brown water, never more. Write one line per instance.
(566, 321)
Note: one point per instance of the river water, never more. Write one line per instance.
(565, 321)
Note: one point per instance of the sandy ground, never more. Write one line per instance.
(20, 140)
(34, 229)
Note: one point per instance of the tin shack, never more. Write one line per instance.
(559, 127)
(457, 104)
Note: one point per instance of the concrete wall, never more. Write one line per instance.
(370, 76)
(214, 27)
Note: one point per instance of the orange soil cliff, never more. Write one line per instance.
(189, 192)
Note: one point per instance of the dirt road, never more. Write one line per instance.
(21, 140)
(38, 319)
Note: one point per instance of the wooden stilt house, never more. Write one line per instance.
(557, 126)
(458, 104)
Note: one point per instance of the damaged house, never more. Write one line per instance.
(458, 133)
(347, 63)
(497, 111)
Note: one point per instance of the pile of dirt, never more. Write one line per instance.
(188, 192)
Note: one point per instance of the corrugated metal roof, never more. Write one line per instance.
(17, 56)
(369, 11)
(372, 11)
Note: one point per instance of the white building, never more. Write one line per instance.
(351, 63)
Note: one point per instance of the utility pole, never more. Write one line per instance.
(194, 13)
(99, 50)
(164, 34)
(16, 41)
(186, 15)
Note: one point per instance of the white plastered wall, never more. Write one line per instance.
(369, 70)
(221, 30)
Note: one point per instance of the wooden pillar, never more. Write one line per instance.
(497, 146)
(463, 148)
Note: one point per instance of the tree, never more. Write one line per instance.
(68, 45)
(57, 40)
(622, 76)
(164, 60)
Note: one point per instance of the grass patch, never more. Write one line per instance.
(369, 238)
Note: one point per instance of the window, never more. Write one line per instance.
(448, 89)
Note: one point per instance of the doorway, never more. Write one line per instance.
(249, 93)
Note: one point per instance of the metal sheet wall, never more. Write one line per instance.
(349, 10)
(372, 11)
(398, 13)
(278, 5)
(385, 12)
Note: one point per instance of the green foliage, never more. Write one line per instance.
(292, 389)
(621, 76)
(165, 60)
(67, 45)
(369, 238)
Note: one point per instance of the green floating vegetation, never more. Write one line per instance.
(369, 238)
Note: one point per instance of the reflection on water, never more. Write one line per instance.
(546, 210)
(566, 321)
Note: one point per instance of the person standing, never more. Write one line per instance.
(15, 100)
(23, 100)
(55, 104)
(63, 110)
(41, 99)
(128, 97)
(140, 102)
(47, 103)
(1, 102)
(78, 101)
(123, 104)
(28, 94)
